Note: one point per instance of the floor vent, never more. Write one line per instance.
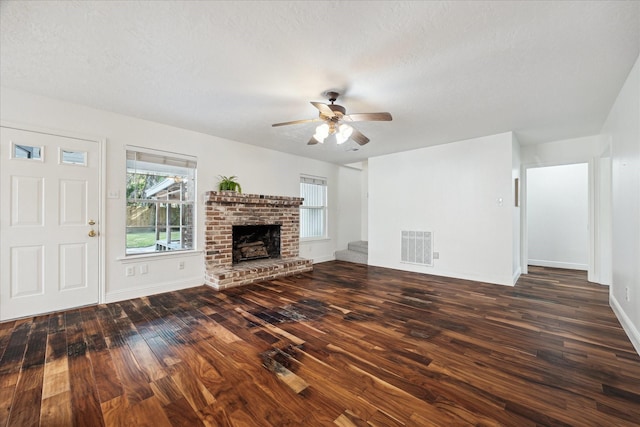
(417, 247)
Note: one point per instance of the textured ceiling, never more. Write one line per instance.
(446, 70)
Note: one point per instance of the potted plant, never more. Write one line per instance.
(229, 183)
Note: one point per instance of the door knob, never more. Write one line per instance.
(91, 222)
(92, 233)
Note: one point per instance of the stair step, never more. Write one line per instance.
(352, 256)
(361, 246)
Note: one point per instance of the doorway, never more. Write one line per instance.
(50, 207)
(558, 216)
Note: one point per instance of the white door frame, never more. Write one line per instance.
(593, 218)
(102, 149)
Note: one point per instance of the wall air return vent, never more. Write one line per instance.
(417, 247)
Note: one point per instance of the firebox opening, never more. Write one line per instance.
(255, 242)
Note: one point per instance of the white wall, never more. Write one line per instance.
(557, 216)
(259, 171)
(364, 202)
(602, 251)
(462, 192)
(623, 128)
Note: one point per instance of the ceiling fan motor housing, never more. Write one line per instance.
(338, 111)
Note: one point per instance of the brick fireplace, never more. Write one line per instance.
(226, 210)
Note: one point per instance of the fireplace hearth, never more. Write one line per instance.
(251, 238)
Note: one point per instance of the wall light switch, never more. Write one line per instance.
(144, 269)
(113, 194)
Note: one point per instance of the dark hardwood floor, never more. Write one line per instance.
(345, 345)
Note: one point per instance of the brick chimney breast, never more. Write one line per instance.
(225, 209)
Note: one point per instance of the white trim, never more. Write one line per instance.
(627, 325)
(558, 264)
(325, 258)
(127, 259)
(516, 275)
(103, 220)
(152, 290)
(156, 151)
(524, 230)
(50, 131)
(313, 178)
(602, 223)
(314, 239)
(503, 281)
(591, 220)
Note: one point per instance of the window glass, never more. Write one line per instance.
(160, 202)
(313, 212)
(69, 157)
(27, 152)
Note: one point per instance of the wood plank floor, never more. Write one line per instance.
(344, 345)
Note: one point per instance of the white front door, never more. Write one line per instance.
(49, 222)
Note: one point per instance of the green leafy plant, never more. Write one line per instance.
(229, 183)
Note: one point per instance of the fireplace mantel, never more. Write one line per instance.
(232, 197)
(226, 209)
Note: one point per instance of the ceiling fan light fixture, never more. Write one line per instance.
(322, 132)
(344, 132)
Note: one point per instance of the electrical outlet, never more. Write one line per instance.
(436, 255)
(181, 265)
(130, 270)
(627, 294)
(144, 269)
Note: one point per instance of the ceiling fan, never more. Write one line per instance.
(335, 122)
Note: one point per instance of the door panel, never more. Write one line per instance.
(26, 201)
(49, 196)
(73, 202)
(27, 271)
(73, 258)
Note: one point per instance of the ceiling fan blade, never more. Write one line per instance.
(312, 141)
(324, 109)
(358, 137)
(295, 122)
(368, 117)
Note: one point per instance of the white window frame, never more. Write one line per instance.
(323, 207)
(164, 163)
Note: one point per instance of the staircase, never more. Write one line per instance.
(357, 252)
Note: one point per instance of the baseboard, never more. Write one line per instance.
(629, 328)
(517, 275)
(326, 258)
(558, 264)
(152, 290)
(414, 268)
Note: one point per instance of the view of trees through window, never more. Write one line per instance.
(160, 203)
